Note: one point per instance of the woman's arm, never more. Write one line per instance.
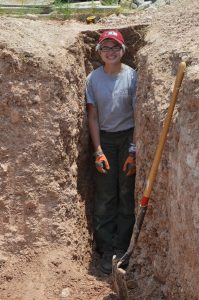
(94, 126)
(101, 161)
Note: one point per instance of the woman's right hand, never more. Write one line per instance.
(101, 163)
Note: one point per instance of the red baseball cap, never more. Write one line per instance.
(113, 35)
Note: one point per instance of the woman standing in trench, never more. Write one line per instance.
(110, 96)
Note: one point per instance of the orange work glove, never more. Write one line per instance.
(101, 162)
(130, 165)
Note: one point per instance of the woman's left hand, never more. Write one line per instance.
(130, 165)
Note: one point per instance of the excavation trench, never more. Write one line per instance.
(46, 153)
(46, 165)
(141, 279)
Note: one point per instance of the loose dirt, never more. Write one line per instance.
(46, 243)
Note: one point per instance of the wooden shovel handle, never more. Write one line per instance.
(152, 175)
(163, 134)
(118, 272)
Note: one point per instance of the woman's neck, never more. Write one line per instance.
(112, 69)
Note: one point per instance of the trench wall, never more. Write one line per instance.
(183, 189)
(42, 114)
(169, 237)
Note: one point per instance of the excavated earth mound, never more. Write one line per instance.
(46, 163)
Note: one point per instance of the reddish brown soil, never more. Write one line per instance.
(46, 242)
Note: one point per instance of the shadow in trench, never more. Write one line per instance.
(86, 188)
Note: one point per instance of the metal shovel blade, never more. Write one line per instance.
(119, 280)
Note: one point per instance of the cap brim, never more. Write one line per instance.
(112, 38)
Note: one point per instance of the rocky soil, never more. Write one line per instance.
(46, 188)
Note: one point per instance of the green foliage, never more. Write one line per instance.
(58, 3)
(20, 11)
(61, 9)
(109, 2)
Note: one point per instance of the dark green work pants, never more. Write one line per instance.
(114, 201)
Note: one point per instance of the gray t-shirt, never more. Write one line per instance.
(113, 96)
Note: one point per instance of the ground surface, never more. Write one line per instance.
(52, 275)
(39, 261)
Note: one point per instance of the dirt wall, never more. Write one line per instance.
(169, 239)
(42, 111)
(183, 190)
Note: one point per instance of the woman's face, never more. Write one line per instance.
(111, 52)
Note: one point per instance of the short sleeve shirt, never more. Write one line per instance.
(114, 97)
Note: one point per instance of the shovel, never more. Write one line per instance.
(119, 266)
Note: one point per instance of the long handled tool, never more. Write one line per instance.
(119, 273)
